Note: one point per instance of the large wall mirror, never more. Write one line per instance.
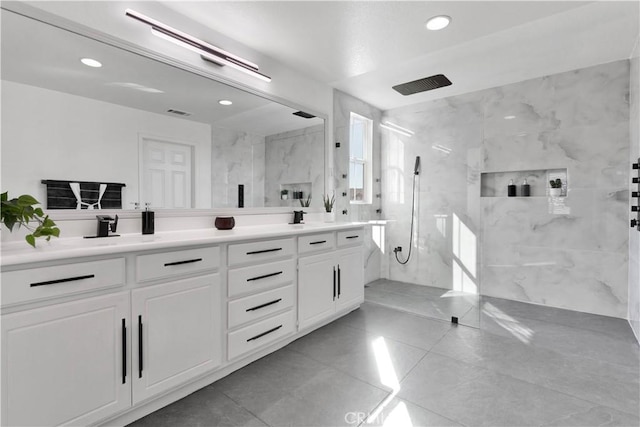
(77, 136)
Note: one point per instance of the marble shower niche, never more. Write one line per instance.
(494, 184)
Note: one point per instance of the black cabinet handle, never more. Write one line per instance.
(258, 307)
(264, 277)
(140, 347)
(265, 333)
(189, 261)
(352, 237)
(264, 251)
(339, 291)
(69, 279)
(334, 283)
(318, 242)
(124, 352)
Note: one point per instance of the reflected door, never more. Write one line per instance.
(166, 174)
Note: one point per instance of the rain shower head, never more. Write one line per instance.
(416, 168)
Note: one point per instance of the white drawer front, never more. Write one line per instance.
(176, 263)
(254, 307)
(316, 242)
(350, 237)
(259, 334)
(260, 277)
(255, 252)
(47, 282)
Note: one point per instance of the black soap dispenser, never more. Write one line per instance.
(511, 189)
(526, 188)
(148, 220)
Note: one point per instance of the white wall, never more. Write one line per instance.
(634, 235)
(60, 136)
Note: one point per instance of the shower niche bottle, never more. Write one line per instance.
(511, 189)
(526, 188)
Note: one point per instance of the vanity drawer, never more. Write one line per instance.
(251, 308)
(350, 237)
(260, 277)
(176, 263)
(59, 280)
(316, 242)
(259, 334)
(254, 252)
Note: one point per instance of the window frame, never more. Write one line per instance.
(366, 161)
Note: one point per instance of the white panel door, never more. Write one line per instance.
(166, 174)
(66, 363)
(350, 277)
(176, 334)
(316, 288)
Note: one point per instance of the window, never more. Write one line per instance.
(360, 154)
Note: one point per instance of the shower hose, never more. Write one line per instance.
(413, 215)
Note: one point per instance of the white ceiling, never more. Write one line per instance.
(365, 47)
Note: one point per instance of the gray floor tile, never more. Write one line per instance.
(328, 399)
(401, 413)
(377, 360)
(598, 416)
(473, 395)
(406, 328)
(600, 382)
(207, 407)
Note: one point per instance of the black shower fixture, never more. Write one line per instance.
(423, 85)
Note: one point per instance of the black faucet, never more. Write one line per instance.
(298, 217)
(105, 225)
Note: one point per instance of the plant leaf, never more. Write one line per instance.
(4, 196)
(30, 240)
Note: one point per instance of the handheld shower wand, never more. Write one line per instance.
(416, 172)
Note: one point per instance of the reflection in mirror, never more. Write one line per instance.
(160, 133)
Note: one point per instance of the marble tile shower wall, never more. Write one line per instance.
(634, 236)
(343, 105)
(295, 159)
(570, 252)
(238, 158)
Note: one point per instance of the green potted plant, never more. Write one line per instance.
(328, 207)
(22, 212)
(306, 203)
(555, 189)
(284, 194)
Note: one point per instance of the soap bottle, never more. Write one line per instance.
(526, 188)
(148, 221)
(511, 189)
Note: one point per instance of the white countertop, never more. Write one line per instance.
(15, 253)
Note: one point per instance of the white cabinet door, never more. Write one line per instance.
(66, 363)
(351, 278)
(176, 334)
(316, 289)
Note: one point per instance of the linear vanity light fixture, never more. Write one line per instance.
(207, 51)
(398, 129)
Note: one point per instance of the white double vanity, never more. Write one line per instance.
(105, 331)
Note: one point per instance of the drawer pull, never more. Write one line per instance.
(189, 261)
(318, 242)
(70, 279)
(258, 307)
(339, 291)
(264, 277)
(264, 251)
(264, 333)
(352, 237)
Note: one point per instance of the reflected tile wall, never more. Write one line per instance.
(237, 158)
(634, 237)
(295, 157)
(343, 105)
(570, 253)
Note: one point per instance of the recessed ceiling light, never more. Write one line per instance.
(509, 117)
(91, 62)
(225, 102)
(438, 22)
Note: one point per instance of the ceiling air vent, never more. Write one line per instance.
(178, 112)
(423, 85)
(303, 114)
